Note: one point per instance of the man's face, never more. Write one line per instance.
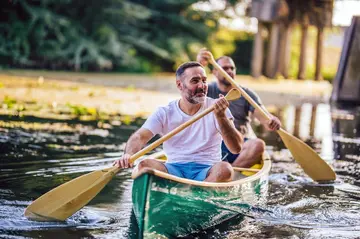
(229, 66)
(193, 85)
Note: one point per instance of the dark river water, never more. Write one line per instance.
(40, 154)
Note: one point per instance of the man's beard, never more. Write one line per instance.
(192, 98)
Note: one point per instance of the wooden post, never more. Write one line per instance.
(303, 46)
(319, 52)
(258, 52)
(285, 50)
(273, 51)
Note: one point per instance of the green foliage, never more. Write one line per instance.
(9, 102)
(243, 52)
(127, 120)
(124, 35)
(236, 44)
(79, 110)
(329, 66)
(329, 73)
(130, 88)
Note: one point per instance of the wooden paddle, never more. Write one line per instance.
(63, 201)
(309, 160)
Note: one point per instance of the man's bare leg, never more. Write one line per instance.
(220, 172)
(250, 154)
(153, 164)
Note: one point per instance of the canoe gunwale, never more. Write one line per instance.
(265, 170)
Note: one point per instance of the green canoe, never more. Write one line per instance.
(166, 206)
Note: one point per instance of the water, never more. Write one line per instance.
(38, 155)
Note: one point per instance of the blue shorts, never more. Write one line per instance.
(194, 171)
(226, 155)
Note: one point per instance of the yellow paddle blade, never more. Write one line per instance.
(308, 159)
(66, 199)
(233, 94)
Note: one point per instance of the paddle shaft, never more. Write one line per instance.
(255, 170)
(167, 136)
(243, 92)
(310, 161)
(230, 96)
(170, 134)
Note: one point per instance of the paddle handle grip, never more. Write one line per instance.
(236, 86)
(170, 134)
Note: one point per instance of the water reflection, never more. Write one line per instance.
(39, 154)
(346, 139)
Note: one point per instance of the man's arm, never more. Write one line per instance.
(138, 140)
(272, 124)
(135, 143)
(231, 136)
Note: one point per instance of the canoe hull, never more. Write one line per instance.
(171, 208)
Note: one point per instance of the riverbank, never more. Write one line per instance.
(39, 92)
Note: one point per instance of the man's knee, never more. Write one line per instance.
(146, 163)
(226, 171)
(259, 145)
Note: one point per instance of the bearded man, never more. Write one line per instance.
(195, 152)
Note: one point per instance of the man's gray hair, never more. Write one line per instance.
(223, 57)
(181, 69)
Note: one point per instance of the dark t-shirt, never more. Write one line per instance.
(239, 108)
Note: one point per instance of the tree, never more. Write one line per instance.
(95, 35)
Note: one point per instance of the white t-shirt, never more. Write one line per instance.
(199, 142)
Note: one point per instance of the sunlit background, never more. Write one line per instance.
(77, 78)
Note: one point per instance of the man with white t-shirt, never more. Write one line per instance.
(195, 152)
